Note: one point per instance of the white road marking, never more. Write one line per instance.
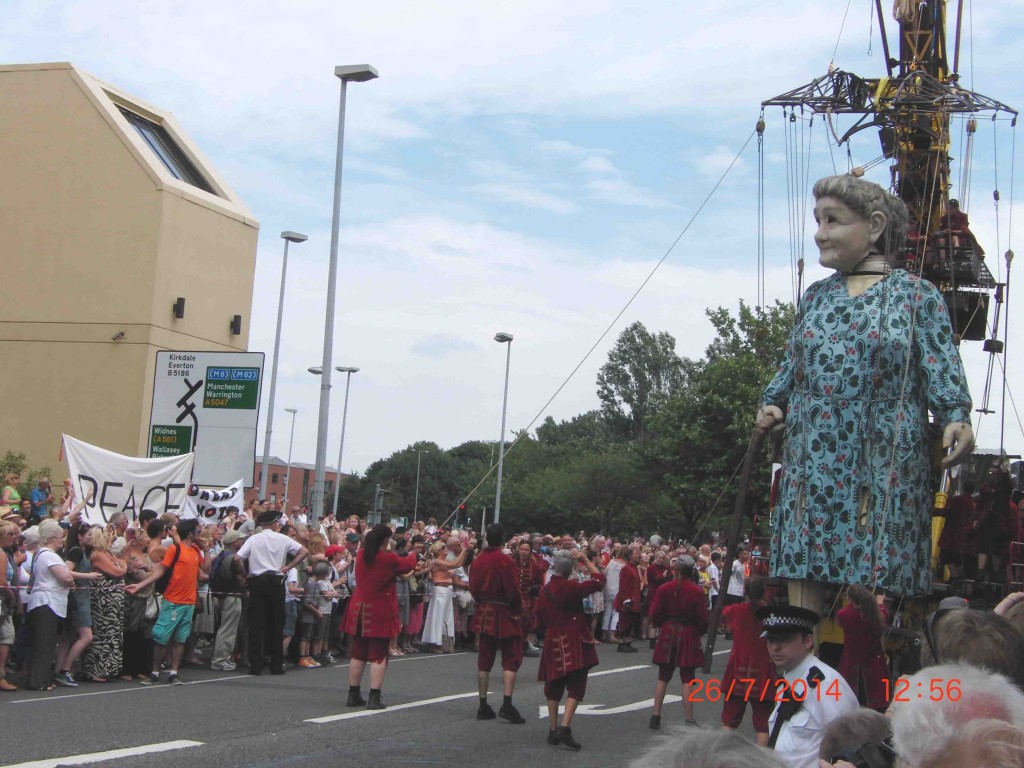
(96, 757)
(620, 669)
(395, 708)
(598, 709)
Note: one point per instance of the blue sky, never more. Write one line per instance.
(517, 167)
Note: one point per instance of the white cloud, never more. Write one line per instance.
(621, 192)
(598, 164)
(526, 196)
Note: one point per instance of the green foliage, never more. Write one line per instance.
(702, 433)
(656, 456)
(13, 461)
(642, 372)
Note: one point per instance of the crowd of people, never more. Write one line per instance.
(264, 590)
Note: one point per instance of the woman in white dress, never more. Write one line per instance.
(439, 626)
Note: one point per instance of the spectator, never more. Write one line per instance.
(316, 609)
(439, 626)
(9, 604)
(102, 659)
(10, 499)
(708, 750)
(981, 638)
(183, 560)
(78, 631)
(41, 499)
(49, 584)
(140, 610)
(610, 620)
(928, 733)
(227, 582)
(861, 737)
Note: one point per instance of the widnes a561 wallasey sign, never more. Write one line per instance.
(207, 403)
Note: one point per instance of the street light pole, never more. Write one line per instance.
(358, 73)
(291, 440)
(341, 446)
(502, 338)
(289, 237)
(416, 504)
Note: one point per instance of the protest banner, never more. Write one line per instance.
(211, 506)
(124, 483)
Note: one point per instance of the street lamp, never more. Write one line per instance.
(416, 504)
(358, 74)
(288, 474)
(341, 445)
(289, 237)
(502, 338)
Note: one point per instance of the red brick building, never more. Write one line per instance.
(300, 484)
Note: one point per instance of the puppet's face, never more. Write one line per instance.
(844, 237)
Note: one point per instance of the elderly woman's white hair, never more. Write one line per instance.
(564, 564)
(49, 530)
(31, 536)
(118, 546)
(924, 729)
(706, 749)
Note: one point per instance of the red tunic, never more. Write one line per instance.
(863, 663)
(681, 611)
(492, 582)
(629, 589)
(529, 580)
(749, 658)
(568, 643)
(373, 608)
(656, 576)
(959, 534)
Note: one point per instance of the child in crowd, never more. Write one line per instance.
(292, 598)
(316, 608)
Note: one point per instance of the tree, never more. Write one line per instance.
(702, 432)
(642, 372)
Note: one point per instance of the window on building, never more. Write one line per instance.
(167, 150)
(273, 477)
(273, 498)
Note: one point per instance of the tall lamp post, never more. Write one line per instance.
(416, 504)
(291, 440)
(341, 445)
(358, 73)
(502, 338)
(289, 237)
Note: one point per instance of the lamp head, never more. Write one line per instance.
(316, 370)
(356, 73)
(293, 237)
(502, 337)
(345, 369)
(291, 410)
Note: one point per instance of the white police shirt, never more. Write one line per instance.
(800, 737)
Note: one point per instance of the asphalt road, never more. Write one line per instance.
(232, 719)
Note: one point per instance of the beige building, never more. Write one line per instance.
(118, 239)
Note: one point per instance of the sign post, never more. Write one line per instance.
(207, 403)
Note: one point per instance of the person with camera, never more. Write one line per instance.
(570, 651)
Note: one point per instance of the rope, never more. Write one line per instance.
(611, 325)
(840, 36)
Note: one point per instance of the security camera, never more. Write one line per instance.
(117, 336)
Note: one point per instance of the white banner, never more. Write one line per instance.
(126, 484)
(212, 506)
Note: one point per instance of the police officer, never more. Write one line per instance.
(810, 695)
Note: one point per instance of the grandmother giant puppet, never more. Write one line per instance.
(871, 353)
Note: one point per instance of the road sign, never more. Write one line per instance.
(207, 402)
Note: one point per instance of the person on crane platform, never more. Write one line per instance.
(870, 354)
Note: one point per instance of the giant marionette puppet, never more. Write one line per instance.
(870, 355)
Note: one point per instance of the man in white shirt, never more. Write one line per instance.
(811, 694)
(715, 576)
(268, 552)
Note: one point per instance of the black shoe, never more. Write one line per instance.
(375, 701)
(510, 713)
(692, 723)
(278, 670)
(655, 722)
(530, 652)
(553, 738)
(651, 643)
(256, 671)
(355, 699)
(485, 712)
(623, 648)
(564, 736)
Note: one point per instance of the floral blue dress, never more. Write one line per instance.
(859, 376)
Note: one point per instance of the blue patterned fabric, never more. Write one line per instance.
(855, 499)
